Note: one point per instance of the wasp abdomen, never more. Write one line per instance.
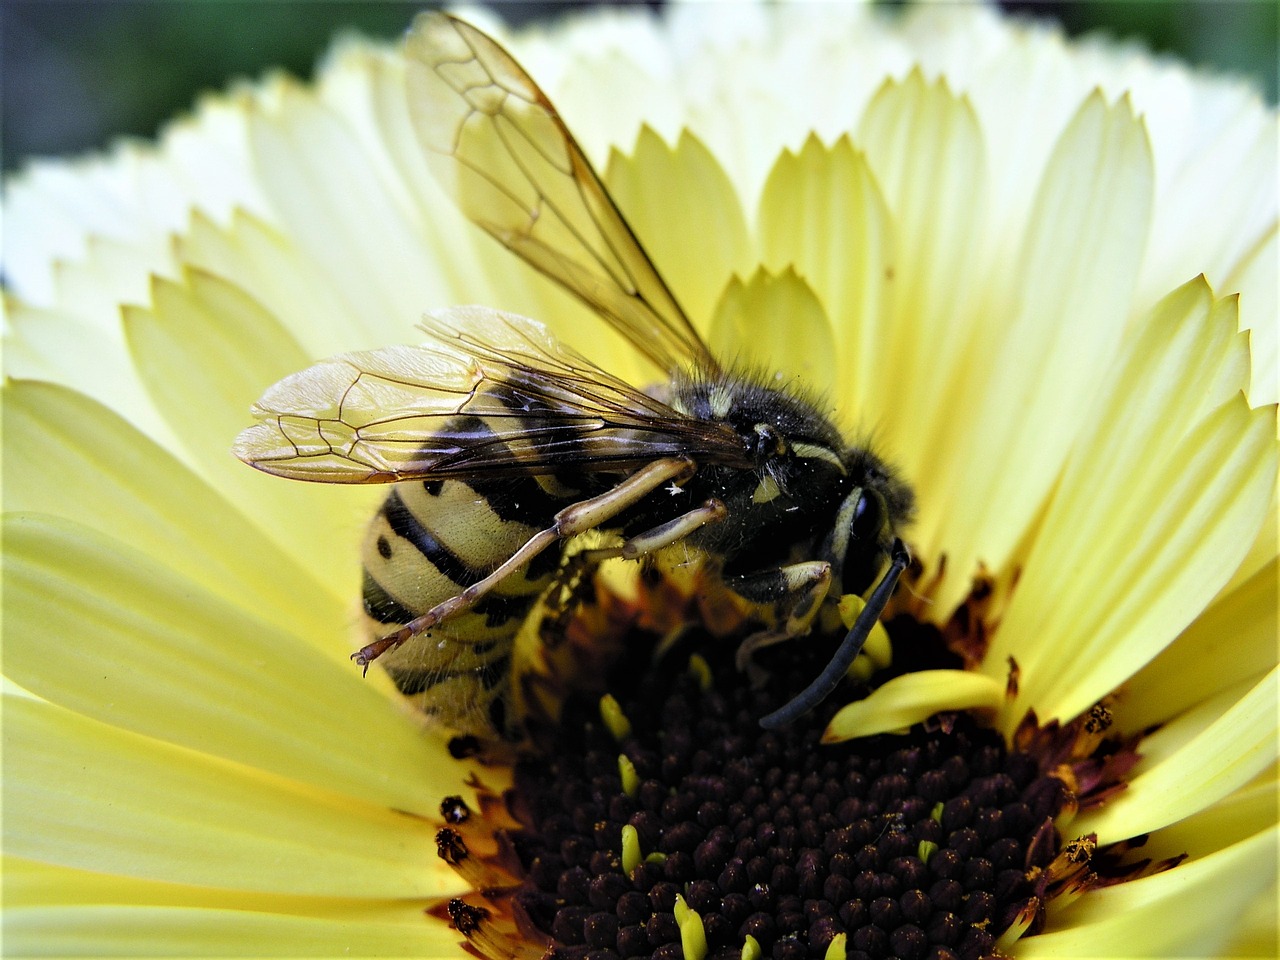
(428, 542)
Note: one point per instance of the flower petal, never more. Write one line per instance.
(1193, 763)
(82, 794)
(822, 213)
(206, 351)
(1145, 526)
(912, 698)
(58, 346)
(776, 325)
(142, 931)
(277, 274)
(1255, 279)
(1188, 911)
(686, 212)
(1203, 661)
(1018, 408)
(925, 148)
(1236, 817)
(85, 912)
(66, 455)
(172, 661)
(332, 198)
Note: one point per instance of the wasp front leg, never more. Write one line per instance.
(786, 598)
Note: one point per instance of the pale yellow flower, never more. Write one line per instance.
(1043, 275)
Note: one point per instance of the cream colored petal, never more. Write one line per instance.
(1193, 762)
(1189, 911)
(326, 195)
(206, 352)
(1139, 489)
(1181, 534)
(115, 931)
(925, 148)
(1221, 200)
(1238, 816)
(47, 904)
(81, 794)
(57, 346)
(1018, 407)
(822, 213)
(1233, 640)
(68, 456)
(274, 271)
(97, 627)
(686, 213)
(1254, 934)
(775, 325)
(1255, 279)
(29, 883)
(912, 698)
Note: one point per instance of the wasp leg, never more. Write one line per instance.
(572, 520)
(825, 682)
(791, 597)
(582, 564)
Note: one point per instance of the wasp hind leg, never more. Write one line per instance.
(572, 520)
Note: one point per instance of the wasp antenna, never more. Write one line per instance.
(831, 675)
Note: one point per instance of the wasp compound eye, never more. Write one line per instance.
(868, 517)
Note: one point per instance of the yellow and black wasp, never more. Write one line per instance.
(501, 444)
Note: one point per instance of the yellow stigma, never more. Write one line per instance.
(693, 937)
(630, 779)
(700, 670)
(631, 855)
(613, 717)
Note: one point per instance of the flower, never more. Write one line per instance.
(1028, 266)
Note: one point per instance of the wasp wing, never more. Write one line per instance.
(490, 394)
(500, 148)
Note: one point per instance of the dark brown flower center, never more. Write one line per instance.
(922, 845)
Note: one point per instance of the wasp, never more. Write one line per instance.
(502, 445)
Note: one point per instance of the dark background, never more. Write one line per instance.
(76, 73)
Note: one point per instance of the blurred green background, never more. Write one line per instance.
(77, 73)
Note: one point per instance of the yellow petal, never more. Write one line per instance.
(275, 272)
(1189, 911)
(775, 325)
(822, 213)
(57, 346)
(912, 698)
(925, 148)
(686, 213)
(66, 455)
(1255, 280)
(1236, 817)
(1115, 512)
(1017, 410)
(1163, 546)
(59, 890)
(81, 794)
(1212, 751)
(1233, 640)
(323, 186)
(206, 351)
(95, 626)
(144, 931)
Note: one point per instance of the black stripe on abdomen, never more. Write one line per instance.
(381, 606)
(407, 526)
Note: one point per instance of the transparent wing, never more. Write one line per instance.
(500, 148)
(490, 394)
